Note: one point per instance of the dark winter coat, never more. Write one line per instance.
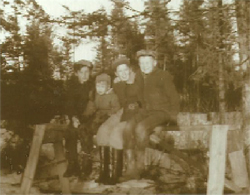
(130, 97)
(107, 103)
(78, 96)
(159, 92)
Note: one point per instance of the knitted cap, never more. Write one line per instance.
(103, 77)
(78, 65)
(146, 53)
(119, 61)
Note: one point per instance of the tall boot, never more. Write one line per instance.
(104, 175)
(117, 165)
(86, 167)
(73, 168)
(131, 170)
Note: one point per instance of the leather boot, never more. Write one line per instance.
(73, 169)
(86, 167)
(131, 170)
(104, 175)
(117, 166)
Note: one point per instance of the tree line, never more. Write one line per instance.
(197, 44)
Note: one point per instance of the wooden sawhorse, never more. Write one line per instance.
(217, 138)
(217, 161)
(42, 131)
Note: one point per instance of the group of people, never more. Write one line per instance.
(120, 114)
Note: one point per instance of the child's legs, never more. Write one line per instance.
(145, 127)
(104, 131)
(116, 136)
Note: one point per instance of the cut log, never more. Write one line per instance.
(233, 118)
(214, 117)
(239, 169)
(217, 161)
(30, 168)
(190, 139)
(198, 119)
(183, 119)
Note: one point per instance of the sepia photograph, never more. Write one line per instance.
(125, 97)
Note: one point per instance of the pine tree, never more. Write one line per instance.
(243, 19)
(126, 38)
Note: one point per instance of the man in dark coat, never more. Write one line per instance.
(160, 105)
(79, 90)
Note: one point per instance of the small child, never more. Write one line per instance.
(106, 101)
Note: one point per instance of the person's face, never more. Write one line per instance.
(83, 74)
(101, 87)
(147, 64)
(123, 71)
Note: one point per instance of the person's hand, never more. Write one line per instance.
(75, 122)
(117, 80)
(155, 138)
(66, 119)
(90, 109)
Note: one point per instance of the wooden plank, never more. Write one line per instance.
(235, 141)
(239, 169)
(196, 127)
(198, 119)
(183, 119)
(217, 161)
(31, 165)
(61, 168)
(189, 139)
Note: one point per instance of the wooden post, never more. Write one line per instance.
(217, 162)
(61, 167)
(30, 169)
(239, 168)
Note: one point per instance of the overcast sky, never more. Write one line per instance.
(86, 50)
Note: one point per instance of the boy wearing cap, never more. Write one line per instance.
(161, 105)
(106, 103)
(79, 89)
